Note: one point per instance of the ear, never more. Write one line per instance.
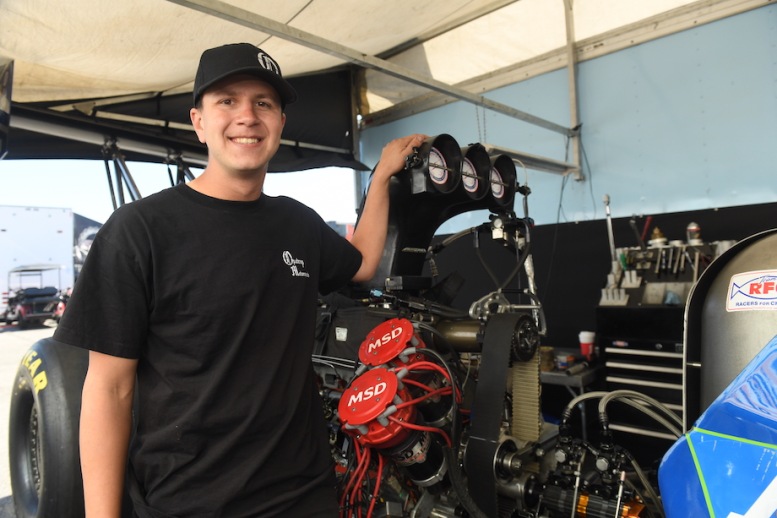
(196, 116)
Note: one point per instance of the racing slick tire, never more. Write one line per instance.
(43, 432)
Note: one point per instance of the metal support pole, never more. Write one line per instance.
(121, 173)
(183, 172)
(574, 111)
(121, 167)
(232, 13)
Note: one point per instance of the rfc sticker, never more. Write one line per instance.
(753, 291)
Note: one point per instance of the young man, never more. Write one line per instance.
(200, 302)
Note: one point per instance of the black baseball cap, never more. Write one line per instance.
(240, 58)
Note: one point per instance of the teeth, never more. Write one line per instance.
(241, 140)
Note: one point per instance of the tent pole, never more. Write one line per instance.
(266, 25)
(356, 105)
(574, 111)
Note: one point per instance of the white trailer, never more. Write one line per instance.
(34, 235)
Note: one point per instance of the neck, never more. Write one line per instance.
(229, 187)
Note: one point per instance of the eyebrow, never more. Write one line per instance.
(228, 91)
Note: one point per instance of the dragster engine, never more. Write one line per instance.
(406, 406)
(407, 441)
(436, 411)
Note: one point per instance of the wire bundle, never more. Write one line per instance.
(365, 474)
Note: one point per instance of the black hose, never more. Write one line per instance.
(446, 311)
(479, 254)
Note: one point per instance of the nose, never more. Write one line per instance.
(246, 113)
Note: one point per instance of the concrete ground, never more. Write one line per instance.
(13, 344)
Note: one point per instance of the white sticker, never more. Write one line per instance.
(752, 291)
(341, 334)
(764, 506)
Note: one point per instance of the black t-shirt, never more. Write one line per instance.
(217, 301)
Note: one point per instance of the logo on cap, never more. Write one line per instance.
(268, 63)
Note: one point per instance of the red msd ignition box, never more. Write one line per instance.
(386, 343)
(366, 405)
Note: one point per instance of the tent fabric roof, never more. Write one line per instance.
(83, 57)
(92, 49)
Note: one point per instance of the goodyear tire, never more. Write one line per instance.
(43, 432)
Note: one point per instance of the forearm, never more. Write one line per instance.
(104, 439)
(369, 237)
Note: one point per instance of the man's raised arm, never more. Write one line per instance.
(369, 237)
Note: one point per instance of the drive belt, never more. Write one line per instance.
(488, 410)
(526, 391)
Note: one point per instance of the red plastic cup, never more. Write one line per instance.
(587, 339)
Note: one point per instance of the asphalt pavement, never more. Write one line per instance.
(14, 343)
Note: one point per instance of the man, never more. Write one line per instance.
(200, 302)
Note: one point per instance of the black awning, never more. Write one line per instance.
(318, 131)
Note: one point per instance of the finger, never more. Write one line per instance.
(407, 145)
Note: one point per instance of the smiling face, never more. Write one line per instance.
(240, 119)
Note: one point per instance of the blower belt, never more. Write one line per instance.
(487, 410)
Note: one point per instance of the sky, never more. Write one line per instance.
(82, 186)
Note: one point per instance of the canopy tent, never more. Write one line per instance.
(87, 72)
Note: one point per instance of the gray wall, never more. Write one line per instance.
(684, 122)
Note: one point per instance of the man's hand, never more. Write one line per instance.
(394, 154)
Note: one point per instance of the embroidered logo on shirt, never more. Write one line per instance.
(297, 266)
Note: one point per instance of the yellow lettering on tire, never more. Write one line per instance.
(28, 358)
(33, 363)
(40, 381)
(33, 367)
